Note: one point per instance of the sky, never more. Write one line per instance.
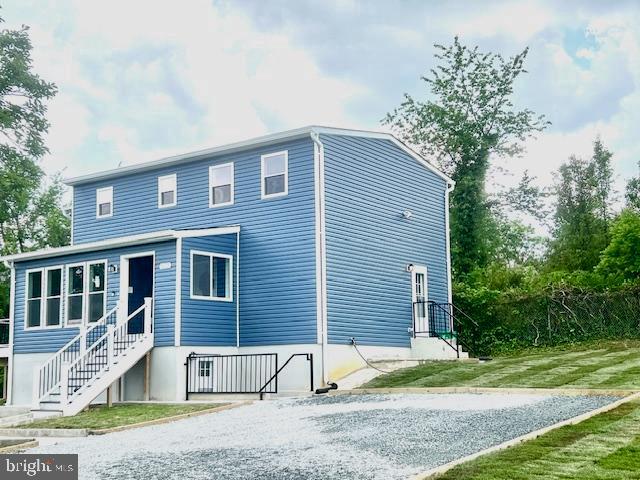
(139, 80)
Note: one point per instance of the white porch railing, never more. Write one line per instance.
(101, 363)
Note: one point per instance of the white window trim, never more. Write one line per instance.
(174, 179)
(105, 189)
(43, 298)
(85, 292)
(46, 297)
(263, 158)
(228, 279)
(212, 169)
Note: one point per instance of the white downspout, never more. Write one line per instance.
(450, 187)
(321, 258)
(12, 299)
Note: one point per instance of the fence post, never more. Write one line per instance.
(311, 369)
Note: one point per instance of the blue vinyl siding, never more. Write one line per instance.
(207, 322)
(277, 239)
(369, 183)
(52, 339)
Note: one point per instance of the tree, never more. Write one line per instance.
(583, 193)
(620, 259)
(30, 215)
(632, 194)
(471, 117)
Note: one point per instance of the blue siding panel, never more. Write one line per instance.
(207, 322)
(369, 183)
(52, 339)
(277, 239)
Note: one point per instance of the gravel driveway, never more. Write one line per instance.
(339, 437)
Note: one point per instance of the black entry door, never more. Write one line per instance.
(140, 286)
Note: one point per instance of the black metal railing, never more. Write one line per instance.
(440, 320)
(232, 374)
(4, 332)
(236, 374)
(274, 377)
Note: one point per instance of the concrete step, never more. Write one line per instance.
(11, 411)
(15, 420)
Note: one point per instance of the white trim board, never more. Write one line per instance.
(246, 144)
(159, 236)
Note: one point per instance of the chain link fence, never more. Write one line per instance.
(552, 319)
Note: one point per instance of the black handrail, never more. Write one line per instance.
(309, 357)
(435, 327)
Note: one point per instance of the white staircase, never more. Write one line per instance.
(86, 366)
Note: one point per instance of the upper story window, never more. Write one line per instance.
(275, 175)
(104, 202)
(221, 185)
(167, 191)
(211, 276)
(86, 286)
(44, 297)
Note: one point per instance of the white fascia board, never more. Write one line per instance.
(129, 240)
(247, 144)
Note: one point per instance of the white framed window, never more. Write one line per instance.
(53, 296)
(167, 191)
(33, 309)
(274, 174)
(221, 185)
(86, 292)
(104, 202)
(204, 369)
(211, 276)
(43, 298)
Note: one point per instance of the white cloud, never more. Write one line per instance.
(147, 78)
(518, 19)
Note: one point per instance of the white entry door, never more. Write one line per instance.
(419, 300)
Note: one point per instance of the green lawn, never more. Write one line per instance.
(604, 447)
(611, 365)
(100, 417)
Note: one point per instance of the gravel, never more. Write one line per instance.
(331, 437)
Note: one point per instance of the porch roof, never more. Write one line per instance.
(141, 239)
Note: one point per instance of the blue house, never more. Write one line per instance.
(205, 272)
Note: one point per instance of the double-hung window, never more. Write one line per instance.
(167, 191)
(104, 202)
(221, 185)
(274, 174)
(86, 292)
(44, 297)
(211, 276)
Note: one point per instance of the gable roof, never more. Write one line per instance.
(246, 144)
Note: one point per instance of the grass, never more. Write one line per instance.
(611, 365)
(100, 416)
(604, 447)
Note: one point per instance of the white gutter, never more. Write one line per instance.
(321, 256)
